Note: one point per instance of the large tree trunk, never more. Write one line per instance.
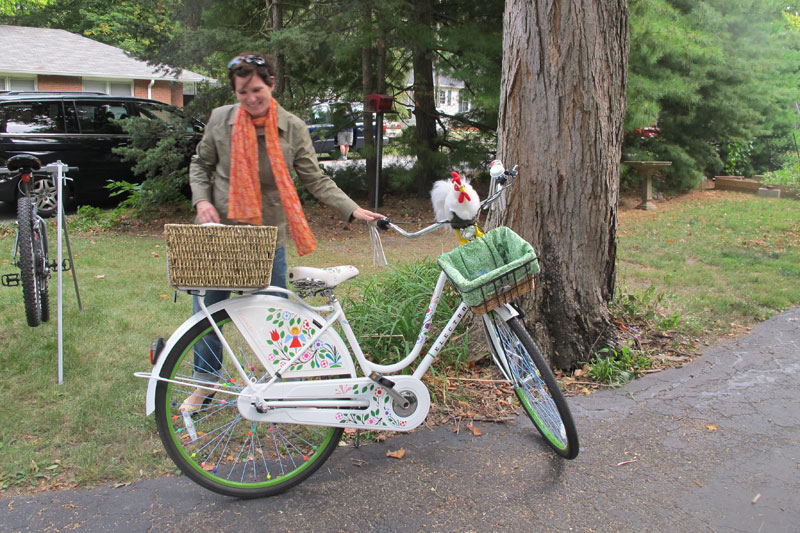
(280, 59)
(561, 114)
(424, 100)
(367, 77)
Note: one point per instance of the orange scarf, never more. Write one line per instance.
(244, 195)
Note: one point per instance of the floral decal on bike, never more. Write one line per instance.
(379, 414)
(287, 333)
(426, 323)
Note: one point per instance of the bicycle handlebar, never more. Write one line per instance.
(51, 169)
(503, 181)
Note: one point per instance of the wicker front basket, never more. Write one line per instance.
(491, 270)
(220, 257)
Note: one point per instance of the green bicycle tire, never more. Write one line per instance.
(277, 457)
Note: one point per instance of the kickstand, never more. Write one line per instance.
(357, 443)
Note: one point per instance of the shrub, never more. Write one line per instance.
(387, 312)
(160, 153)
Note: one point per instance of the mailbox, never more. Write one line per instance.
(379, 103)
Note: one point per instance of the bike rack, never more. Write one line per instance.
(62, 264)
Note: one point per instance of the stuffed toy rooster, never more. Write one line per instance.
(456, 201)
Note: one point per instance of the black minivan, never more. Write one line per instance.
(80, 130)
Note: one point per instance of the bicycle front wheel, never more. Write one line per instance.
(27, 248)
(213, 444)
(534, 383)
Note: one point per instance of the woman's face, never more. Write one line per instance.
(254, 95)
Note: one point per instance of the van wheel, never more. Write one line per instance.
(46, 194)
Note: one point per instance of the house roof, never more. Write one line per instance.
(61, 53)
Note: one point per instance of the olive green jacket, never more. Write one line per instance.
(209, 170)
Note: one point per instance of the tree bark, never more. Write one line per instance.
(424, 100)
(280, 59)
(561, 116)
(369, 137)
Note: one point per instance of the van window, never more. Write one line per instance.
(167, 114)
(32, 117)
(100, 117)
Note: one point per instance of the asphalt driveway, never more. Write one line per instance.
(713, 446)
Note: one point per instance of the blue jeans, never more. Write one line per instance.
(208, 351)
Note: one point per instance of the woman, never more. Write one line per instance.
(240, 174)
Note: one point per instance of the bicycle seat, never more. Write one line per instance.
(23, 161)
(331, 277)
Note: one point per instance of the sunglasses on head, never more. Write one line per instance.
(251, 60)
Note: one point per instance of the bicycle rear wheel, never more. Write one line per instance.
(40, 253)
(214, 445)
(27, 261)
(534, 383)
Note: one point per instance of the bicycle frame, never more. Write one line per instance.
(316, 401)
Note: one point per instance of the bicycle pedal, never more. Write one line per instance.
(388, 384)
(10, 280)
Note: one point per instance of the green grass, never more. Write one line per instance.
(700, 266)
(724, 260)
(91, 427)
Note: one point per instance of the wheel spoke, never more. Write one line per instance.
(530, 381)
(230, 454)
(534, 384)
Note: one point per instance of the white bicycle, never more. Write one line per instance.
(287, 385)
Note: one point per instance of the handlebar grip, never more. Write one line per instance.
(383, 224)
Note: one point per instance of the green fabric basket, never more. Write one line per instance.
(484, 270)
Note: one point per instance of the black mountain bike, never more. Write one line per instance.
(30, 249)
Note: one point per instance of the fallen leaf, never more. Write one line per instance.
(475, 430)
(399, 454)
(155, 254)
(712, 427)
(164, 296)
(100, 276)
(380, 438)
(584, 390)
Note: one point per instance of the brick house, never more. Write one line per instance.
(45, 59)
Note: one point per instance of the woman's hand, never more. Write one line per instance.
(206, 212)
(362, 214)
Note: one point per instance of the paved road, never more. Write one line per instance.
(712, 446)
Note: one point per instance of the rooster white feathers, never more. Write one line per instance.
(455, 200)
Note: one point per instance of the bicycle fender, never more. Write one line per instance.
(506, 312)
(150, 399)
(236, 306)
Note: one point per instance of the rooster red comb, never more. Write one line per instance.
(459, 188)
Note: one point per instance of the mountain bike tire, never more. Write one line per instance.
(27, 261)
(535, 385)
